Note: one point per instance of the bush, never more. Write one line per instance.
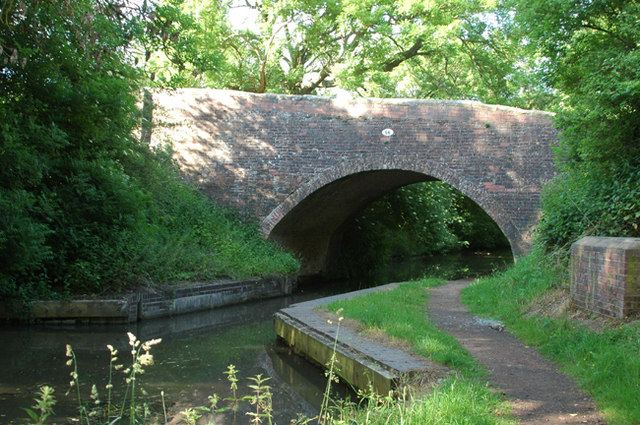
(85, 208)
(590, 200)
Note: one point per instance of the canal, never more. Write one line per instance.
(195, 351)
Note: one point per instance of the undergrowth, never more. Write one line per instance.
(605, 362)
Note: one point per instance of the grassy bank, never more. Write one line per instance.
(168, 232)
(463, 398)
(602, 356)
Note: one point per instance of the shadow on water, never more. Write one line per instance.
(460, 265)
(195, 351)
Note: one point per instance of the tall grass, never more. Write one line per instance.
(187, 237)
(605, 362)
(456, 401)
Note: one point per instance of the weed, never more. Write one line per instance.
(94, 412)
(331, 374)
(458, 399)
(43, 408)
(261, 400)
(233, 379)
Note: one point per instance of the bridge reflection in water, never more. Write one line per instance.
(195, 351)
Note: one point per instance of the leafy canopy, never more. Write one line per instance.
(591, 58)
(383, 48)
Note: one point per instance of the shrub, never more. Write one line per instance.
(590, 200)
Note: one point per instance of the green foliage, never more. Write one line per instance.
(384, 48)
(457, 400)
(171, 44)
(43, 407)
(593, 59)
(594, 200)
(605, 363)
(420, 219)
(80, 199)
(506, 294)
(188, 238)
(588, 53)
(67, 116)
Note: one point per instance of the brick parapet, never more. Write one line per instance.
(605, 275)
(264, 154)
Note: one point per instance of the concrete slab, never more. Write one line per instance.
(363, 363)
(149, 303)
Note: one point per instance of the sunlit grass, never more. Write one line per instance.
(605, 363)
(456, 401)
(462, 398)
(400, 313)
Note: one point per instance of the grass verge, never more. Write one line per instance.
(463, 398)
(605, 362)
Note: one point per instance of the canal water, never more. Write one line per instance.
(195, 351)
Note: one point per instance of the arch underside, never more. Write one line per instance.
(312, 218)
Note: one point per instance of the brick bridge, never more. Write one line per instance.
(303, 164)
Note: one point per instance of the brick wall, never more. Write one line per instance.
(270, 156)
(605, 275)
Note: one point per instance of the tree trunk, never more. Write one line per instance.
(147, 117)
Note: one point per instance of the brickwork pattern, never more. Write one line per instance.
(265, 154)
(605, 275)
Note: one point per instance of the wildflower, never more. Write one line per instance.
(145, 359)
(94, 394)
(147, 345)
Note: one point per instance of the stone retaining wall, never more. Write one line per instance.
(151, 304)
(605, 275)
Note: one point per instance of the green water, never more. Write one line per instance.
(195, 351)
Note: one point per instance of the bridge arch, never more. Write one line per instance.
(309, 220)
(283, 159)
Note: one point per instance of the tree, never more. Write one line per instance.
(454, 49)
(589, 54)
(592, 58)
(67, 114)
(85, 208)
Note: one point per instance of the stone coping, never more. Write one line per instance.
(151, 303)
(363, 363)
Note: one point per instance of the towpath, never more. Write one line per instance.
(540, 394)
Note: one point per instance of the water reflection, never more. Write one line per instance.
(195, 351)
(189, 363)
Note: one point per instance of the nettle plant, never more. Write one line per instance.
(133, 409)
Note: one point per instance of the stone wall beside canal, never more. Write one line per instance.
(152, 303)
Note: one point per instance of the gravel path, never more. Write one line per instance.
(540, 394)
